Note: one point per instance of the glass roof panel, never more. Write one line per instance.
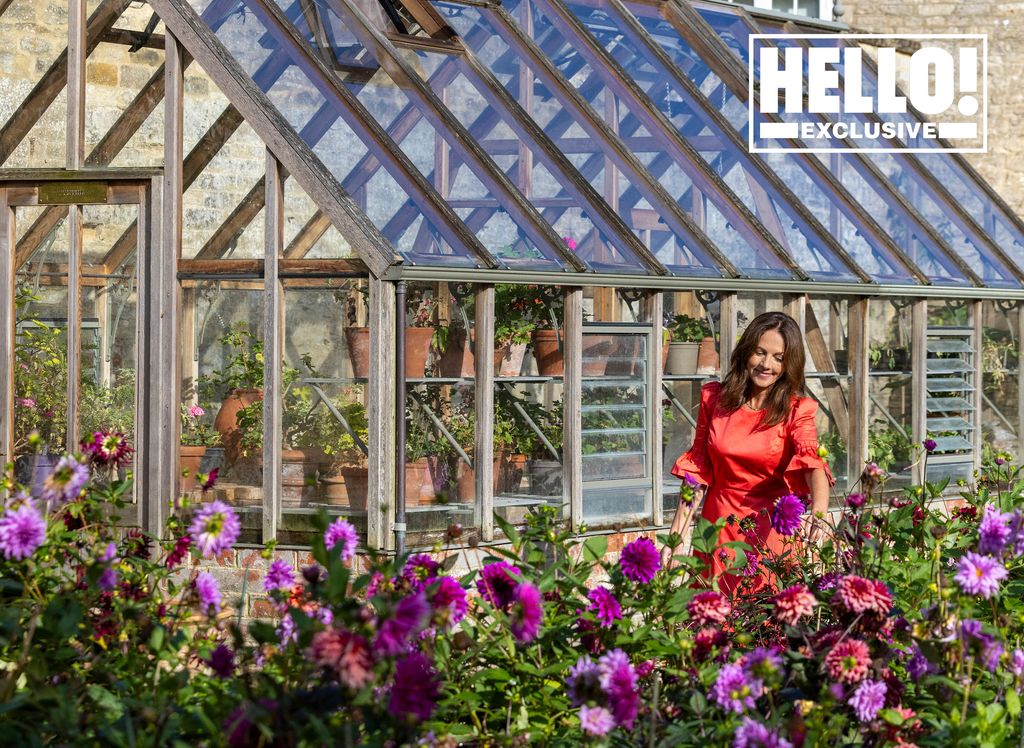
(875, 259)
(481, 34)
(852, 173)
(747, 251)
(922, 195)
(281, 71)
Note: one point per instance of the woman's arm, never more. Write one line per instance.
(817, 481)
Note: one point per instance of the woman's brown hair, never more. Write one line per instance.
(736, 386)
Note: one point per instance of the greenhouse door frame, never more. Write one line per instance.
(156, 349)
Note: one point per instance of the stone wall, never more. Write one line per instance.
(1003, 22)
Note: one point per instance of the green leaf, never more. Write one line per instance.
(595, 547)
(156, 639)
(1013, 703)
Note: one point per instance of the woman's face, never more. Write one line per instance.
(765, 364)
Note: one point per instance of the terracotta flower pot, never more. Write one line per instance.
(417, 348)
(465, 481)
(508, 359)
(547, 352)
(511, 474)
(347, 485)
(457, 359)
(357, 339)
(707, 357)
(419, 483)
(596, 350)
(189, 459)
(298, 471)
(226, 422)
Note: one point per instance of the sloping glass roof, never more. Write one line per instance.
(604, 136)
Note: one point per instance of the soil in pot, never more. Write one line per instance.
(226, 422)
(508, 359)
(548, 353)
(457, 359)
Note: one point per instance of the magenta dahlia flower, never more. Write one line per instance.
(848, 662)
(108, 448)
(497, 583)
(583, 683)
(448, 601)
(346, 654)
(66, 481)
(860, 595)
(596, 720)
(753, 734)
(619, 682)
(208, 591)
(221, 661)
(22, 531)
(735, 690)
(793, 603)
(993, 531)
(786, 515)
(411, 615)
(979, 575)
(416, 688)
(604, 605)
(709, 607)
(526, 612)
(640, 561)
(342, 532)
(869, 698)
(215, 528)
(280, 576)
(420, 570)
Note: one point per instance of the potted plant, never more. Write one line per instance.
(513, 325)
(196, 435)
(345, 473)
(241, 379)
(548, 307)
(515, 441)
(454, 342)
(685, 335)
(887, 446)
(544, 471)
(423, 455)
(419, 331)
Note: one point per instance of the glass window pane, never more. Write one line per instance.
(730, 161)
(1000, 364)
(890, 413)
(331, 130)
(483, 33)
(748, 254)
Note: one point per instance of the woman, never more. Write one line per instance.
(755, 442)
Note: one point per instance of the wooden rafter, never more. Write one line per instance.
(198, 158)
(54, 80)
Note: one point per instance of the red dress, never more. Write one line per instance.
(747, 467)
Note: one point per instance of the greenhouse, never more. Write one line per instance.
(424, 262)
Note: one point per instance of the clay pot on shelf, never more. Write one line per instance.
(417, 348)
(419, 483)
(357, 340)
(682, 358)
(298, 473)
(457, 360)
(508, 359)
(346, 485)
(512, 469)
(548, 353)
(465, 481)
(189, 458)
(226, 422)
(596, 350)
(707, 357)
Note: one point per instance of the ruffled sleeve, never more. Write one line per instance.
(804, 436)
(694, 462)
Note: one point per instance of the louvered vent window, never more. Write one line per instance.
(949, 402)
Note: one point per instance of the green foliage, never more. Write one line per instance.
(682, 328)
(887, 446)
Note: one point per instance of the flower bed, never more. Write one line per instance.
(904, 630)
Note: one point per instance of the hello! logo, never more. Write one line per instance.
(823, 93)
